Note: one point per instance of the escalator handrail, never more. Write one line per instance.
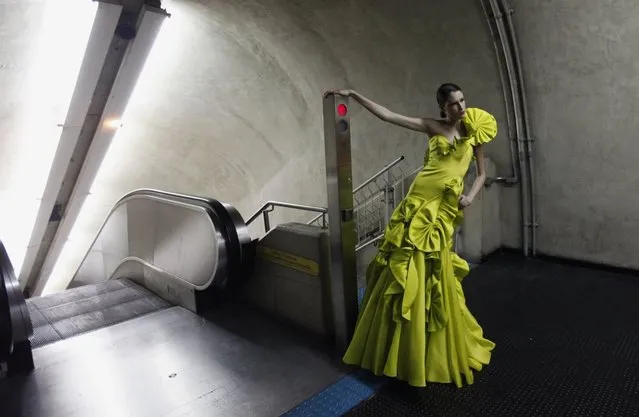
(152, 192)
(15, 321)
(234, 228)
(6, 329)
(269, 205)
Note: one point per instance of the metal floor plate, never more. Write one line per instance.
(174, 363)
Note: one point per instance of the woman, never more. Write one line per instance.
(413, 323)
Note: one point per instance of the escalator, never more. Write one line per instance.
(151, 324)
(15, 323)
(96, 299)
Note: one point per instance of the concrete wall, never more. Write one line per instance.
(581, 64)
(229, 104)
(235, 93)
(394, 55)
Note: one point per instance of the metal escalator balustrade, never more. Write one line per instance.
(178, 246)
(6, 325)
(15, 322)
(6, 328)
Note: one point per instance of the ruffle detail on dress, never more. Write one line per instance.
(481, 126)
(427, 226)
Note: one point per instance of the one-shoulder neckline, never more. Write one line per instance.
(460, 138)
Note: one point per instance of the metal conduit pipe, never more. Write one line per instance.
(514, 91)
(508, 11)
(514, 178)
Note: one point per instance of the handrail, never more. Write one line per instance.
(369, 242)
(15, 320)
(212, 207)
(270, 205)
(152, 192)
(368, 181)
(379, 174)
(6, 328)
(235, 227)
(144, 263)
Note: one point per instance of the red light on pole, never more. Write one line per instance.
(342, 110)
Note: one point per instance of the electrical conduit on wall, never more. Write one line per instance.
(505, 43)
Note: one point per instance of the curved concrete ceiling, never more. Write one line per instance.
(229, 102)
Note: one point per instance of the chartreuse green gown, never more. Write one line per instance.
(413, 324)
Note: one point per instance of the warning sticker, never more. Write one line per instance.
(289, 260)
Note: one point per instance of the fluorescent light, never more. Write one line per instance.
(56, 267)
(45, 94)
(99, 31)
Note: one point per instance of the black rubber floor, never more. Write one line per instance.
(567, 345)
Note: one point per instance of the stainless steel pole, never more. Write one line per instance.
(341, 225)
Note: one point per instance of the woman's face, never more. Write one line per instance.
(455, 106)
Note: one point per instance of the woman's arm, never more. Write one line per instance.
(465, 201)
(424, 125)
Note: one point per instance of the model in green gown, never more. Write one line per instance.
(413, 323)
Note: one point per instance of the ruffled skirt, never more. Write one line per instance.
(413, 324)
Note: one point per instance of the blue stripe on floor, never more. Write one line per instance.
(342, 396)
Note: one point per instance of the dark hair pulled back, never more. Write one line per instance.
(443, 92)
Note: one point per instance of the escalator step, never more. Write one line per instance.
(89, 308)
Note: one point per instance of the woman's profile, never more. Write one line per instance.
(413, 323)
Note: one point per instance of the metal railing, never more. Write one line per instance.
(369, 242)
(374, 200)
(269, 206)
(374, 203)
(383, 171)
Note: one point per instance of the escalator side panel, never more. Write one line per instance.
(6, 332)
(15, 347)
(196, 246)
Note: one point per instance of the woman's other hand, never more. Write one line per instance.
(464, 201)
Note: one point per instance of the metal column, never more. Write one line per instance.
(343, 238)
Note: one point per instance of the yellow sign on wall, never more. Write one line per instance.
(289, 260)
